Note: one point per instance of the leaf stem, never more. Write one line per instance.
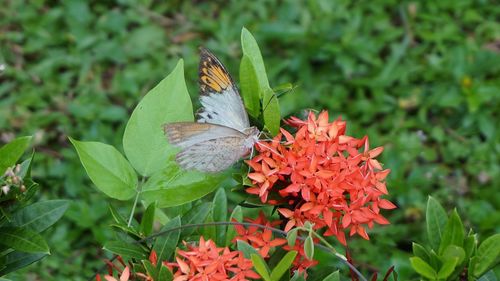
(139, 189)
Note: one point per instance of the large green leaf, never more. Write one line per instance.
(219, 214)
(165, 244)
(12, 151)
(270, 106)
(107, 168)
(23, 239)
(41, 215)
(16, 260)
(453, 232)
(173, 186)
(436, 220)
(487, 253)
(260, 266)
(423, 268)
(144, 141)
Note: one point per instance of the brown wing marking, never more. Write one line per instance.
(213, 76)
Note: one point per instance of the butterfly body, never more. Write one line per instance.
(222, 134)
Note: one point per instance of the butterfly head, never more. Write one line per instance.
(253, 134)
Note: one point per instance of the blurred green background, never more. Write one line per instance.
(421, 78)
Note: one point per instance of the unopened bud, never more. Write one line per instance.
(17, 169)
(5, 189)
(22, 188)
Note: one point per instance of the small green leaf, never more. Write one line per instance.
(165, 244)
(219, 214)
(237, 215)
(420, 251)
(144, 142)
(487, 253)
(23, 239)
(436, 219)
(41, 215)
(117, 216)
(283, 265)
(197, 214)
(309, 247)
(17, 260)
(107, 168)
(148, 219)
(454, 252)
(335, 276)
(270, 106)
(260, 266)
(249, 87)
(126, 249)
(165, 274)
(470, 245)
(453, 232)
(291, 236)
(447, 268)
(11, 152)
(423, 268)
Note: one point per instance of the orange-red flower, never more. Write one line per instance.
(259, 238)
(205, 262)
(323, 176)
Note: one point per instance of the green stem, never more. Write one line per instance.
(139, 189)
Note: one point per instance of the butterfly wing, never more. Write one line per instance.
(219, 97)
(206, 147)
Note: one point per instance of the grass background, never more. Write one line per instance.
(421, 78)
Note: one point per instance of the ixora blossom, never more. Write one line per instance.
(323, 176)
(205, 262)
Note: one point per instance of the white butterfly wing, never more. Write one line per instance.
(207, 147)
(219, 97)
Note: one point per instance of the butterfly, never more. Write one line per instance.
(222, 134)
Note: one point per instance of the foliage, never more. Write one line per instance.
(453, 254)
(21, 221)
(420, 78)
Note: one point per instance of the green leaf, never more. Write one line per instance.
(250, 87)
(470, 245)
(291, 236)
(173, 187)
(488, 276)
(454, 252)
(126, 249)
(487, 253)
(334, 276)
(436, 219)
(237, 214)
(148, 219)
(423, 268)
(17, 260)
(150, 269)
(197, 214)
(41, 215)
(472, 264)
(260, 266)
(297, 276)
(165, 274)
(219, 214)
(165, 244)
(447, 268)
(283, 265)
(453, 232)
(117, 216)
(107, 168)
(420, 251)
(270, 104)
(23, 239)
(144, 142)
(12, 151)
(309, 247)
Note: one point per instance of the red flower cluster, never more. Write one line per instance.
(320, 175)
(206, 262)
